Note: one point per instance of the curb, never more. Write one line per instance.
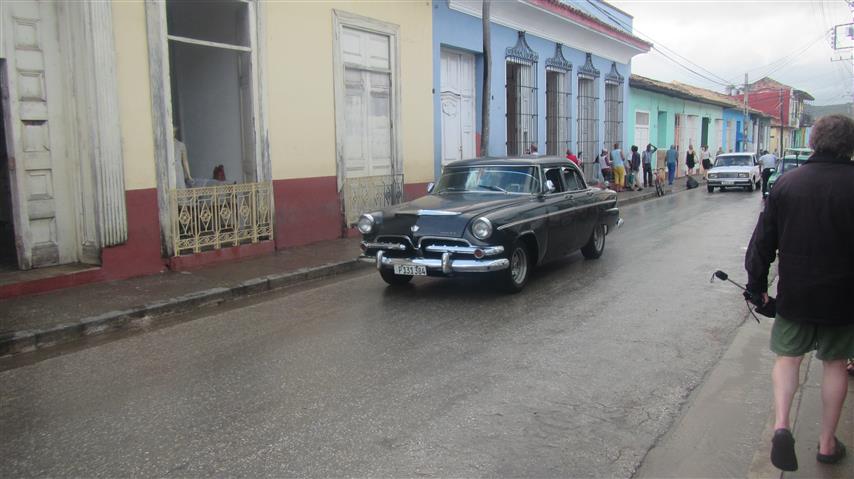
(139, 317)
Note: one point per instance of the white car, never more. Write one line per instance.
(735, 170)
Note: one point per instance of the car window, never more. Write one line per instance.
(572, 179)
(501, 179)
(554, 175)
(733, 161)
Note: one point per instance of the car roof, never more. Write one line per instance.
(738, 153)
(510, 160)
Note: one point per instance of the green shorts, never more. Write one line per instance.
(791, 338)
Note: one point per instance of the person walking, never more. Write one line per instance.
(647, 165)
(719, 152)
(812, 240)
(634, 167)
(571, 157)
(618, 167)
(705, 160)
(671, 158)
(690, 160)
(768, 162)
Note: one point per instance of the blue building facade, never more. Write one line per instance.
(559, 78)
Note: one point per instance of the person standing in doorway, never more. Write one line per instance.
(671, 159)
(647, 165)
(618, 166)
(719, 152)
(811, 241)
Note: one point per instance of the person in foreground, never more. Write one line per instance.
(809, 222)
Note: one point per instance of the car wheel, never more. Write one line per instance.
(394, 279)
(723, 188)
(750, 186)
(710, 188)
(596, 244)
(514, 278)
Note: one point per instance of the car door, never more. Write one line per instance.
(582, 215)
(557, 204)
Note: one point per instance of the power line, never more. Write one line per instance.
(710, 76)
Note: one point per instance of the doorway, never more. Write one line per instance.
(457, 105)
(8, 250)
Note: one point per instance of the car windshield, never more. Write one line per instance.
(798, 152)
(743, 160)
(500, 179)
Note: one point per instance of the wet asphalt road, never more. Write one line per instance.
(578, 375)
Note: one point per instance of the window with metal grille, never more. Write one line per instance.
(614, 107)
(558, 100)
(521, 89)
(588, 116)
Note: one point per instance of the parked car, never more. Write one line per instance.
(792, 158)
(735, 170)
(497, 217)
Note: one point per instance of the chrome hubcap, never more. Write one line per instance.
(599, 237)
(519, 265)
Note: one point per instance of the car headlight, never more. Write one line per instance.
(366, 223)
(481, 228)
(743, 175)
(713, 175)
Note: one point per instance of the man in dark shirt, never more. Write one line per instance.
(809, 222)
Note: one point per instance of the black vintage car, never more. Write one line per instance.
(495, 216)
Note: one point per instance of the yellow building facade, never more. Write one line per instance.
(223, 129)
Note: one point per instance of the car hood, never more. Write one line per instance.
(731, 169)
(443, 215)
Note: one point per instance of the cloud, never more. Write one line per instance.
(731, 38)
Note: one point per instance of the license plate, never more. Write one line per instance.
(410, 269)
(728, 182)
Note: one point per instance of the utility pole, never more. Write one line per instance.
(746, 115)
(487, 90)
(781, 123)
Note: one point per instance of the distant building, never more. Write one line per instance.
(785, 105)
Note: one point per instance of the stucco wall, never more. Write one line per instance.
(301, 103)
(134, 94)
(457, 30)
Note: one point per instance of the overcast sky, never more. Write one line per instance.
(729, 38)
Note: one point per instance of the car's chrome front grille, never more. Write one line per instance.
(434, 247)
(727, 175)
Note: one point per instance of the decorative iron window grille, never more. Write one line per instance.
(521, 89)
(558, 103)
(370, 193)
(213, 217)
(588, 116)
(614, 107)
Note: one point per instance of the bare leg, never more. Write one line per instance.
(785, 377)
(834, 388)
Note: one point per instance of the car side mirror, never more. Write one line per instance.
(430, 187)
(550, 186)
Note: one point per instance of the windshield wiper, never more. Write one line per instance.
(493, 188)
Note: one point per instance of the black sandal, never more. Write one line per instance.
(851, 367)
(783, 451)
(836, 456)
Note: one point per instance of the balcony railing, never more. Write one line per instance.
(214, 217)
(370, 193)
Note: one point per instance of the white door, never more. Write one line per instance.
(368, 147)
(42, 196)
(641, 130)
(457, 105)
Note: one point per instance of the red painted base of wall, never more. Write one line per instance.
(307, 211)
(191, 261)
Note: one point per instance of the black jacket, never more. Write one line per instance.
(809, 220)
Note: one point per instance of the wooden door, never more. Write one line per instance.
(457, 105)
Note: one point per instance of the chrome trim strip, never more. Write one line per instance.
(384, 245)
(487, 250)
(442, 238)
(456, 265)
(535, 218)
(437, 213)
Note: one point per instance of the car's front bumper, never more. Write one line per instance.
(447, 264)
(729, 181)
